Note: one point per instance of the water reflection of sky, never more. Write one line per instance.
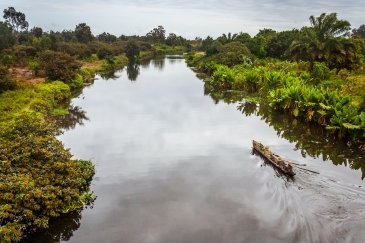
(158, 118)
(174, 167)
(186, 17)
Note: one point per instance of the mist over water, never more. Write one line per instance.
(173, 166)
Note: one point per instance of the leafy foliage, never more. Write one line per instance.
(15, 19)
(132, 51)
(327, 26)
(83, 33)
(157, 34)
(41, 99)
(7, 39)
(360, 32)
(6, 83)
(59, 66)
(38, 179)
(321, 43)
(320, 71)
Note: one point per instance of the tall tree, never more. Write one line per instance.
(324, 42)
(206, 43)
(360, 32)
(7, 39)
(83, 33)
(225, 39)
(37, 32)
(132, 51)
(327, 26)
(245, 38)
(16, 19)
(107, 37)
(258, 44)
(157, 34)
(278, 46)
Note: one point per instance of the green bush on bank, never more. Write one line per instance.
(312, 94)
(59, 66)
(42, 99)
(38, 179)
(6, 83)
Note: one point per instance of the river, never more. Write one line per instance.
(175, 165)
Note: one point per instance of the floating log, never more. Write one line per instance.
(282, 165)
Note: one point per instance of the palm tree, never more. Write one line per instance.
(225, 39)
(308, 48)
(328, 26)
(340, 53)
(324, 41)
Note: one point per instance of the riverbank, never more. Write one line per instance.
(185, 151)
(45, 181)
(39, 180)
(317, 95)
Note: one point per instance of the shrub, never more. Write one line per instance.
(59, 66)
(104, 53)
(6, 83)
(74, 49)
(320, 71)
(223, 77)
(38, 179)
(40, 99)
(77, 82)
(132, 51)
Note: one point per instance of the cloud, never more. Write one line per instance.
(188, 17)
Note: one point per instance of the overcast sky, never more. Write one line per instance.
(189, 18)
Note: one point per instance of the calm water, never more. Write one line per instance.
(173, 165)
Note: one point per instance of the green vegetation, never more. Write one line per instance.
(315, 74)
(39, 74)
(59, 66)
(38, 179)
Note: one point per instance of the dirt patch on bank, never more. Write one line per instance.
(25, 75)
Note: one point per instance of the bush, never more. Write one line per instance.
(104, 53)
(223, 77)
(74, 49)
(38, 179)
(41, 99)
(132, 51)
(320, 71)
(6, 83)
(59, 66)
(7, 38)
(77, 83)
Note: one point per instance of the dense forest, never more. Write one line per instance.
(315, 73)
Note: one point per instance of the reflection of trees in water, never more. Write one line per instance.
(145, 63)
(60, 229)
(248, 108)
(109, 74)
(226, 97)
(314, 140)
(132, 71)
(310, 139)
(75, 116)
(159, 63)
(174, 59)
